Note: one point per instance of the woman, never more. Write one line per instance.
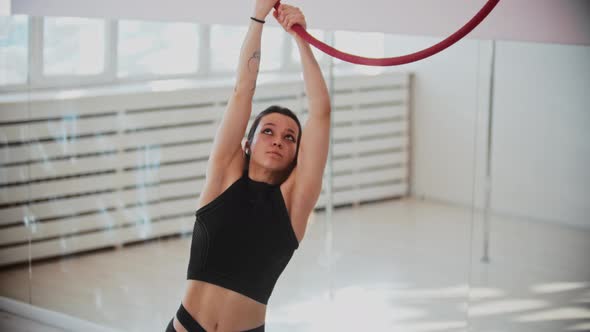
(257, 197)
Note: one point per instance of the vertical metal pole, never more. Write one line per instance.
(35, 66)
(488, 180)
(329, 245)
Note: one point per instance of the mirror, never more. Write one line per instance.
(454, 197)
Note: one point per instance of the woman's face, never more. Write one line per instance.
(275, 142)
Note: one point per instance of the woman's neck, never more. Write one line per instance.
(266, 175)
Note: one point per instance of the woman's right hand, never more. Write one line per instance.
(288, 16)
(263, 7)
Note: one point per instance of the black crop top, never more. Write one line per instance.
(243, 239)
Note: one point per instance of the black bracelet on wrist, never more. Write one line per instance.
(257, 20)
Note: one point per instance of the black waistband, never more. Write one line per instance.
(191, 325)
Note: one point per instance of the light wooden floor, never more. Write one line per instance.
(402, 265)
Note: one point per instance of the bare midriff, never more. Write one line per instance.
(219, 309)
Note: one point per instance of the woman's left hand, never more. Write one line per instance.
(287, 16)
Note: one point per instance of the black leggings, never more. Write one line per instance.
(191, 325)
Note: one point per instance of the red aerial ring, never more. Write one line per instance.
(400, 60)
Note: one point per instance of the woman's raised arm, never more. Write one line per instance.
(227, 142)
(315, 140)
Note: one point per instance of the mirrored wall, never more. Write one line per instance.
(455, 197)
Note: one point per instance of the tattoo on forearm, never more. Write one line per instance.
(254, 62)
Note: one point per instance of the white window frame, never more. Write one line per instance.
(39, 80)
(36, 80)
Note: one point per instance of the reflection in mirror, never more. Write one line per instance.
(457, 182)
(531, 235)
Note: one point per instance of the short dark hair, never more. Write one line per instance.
(269, 110)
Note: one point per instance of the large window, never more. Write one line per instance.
(272, 48)
(226, 42)
(73, 47)
(14, 36)
(154, 48)
(319, 55)
(372, 44)
(224, 47)
(69, 52)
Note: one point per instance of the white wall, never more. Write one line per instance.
(444, 104)
(541, 165)
(541, 127)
